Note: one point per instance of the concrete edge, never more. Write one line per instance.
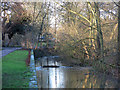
(33, 79)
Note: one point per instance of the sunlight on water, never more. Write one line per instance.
(52, 78)
(70, 77)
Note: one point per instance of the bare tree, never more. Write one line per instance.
(118, 61)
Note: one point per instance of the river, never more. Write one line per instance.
(54, 74)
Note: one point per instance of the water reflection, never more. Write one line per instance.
(70, 77)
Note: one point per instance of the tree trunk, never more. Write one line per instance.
(118, 61)
(99, 32)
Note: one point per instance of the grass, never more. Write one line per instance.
(15, 73)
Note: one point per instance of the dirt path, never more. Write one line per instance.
(7, 50)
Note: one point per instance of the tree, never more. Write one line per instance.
(99, 31)
(118, 61)
(16, 23)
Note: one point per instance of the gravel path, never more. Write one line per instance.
(7, 50)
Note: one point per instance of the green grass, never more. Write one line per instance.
(14, 70)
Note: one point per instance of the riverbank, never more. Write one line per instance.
(15, 73)
(108, 70)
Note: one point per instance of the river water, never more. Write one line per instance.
(53, 74)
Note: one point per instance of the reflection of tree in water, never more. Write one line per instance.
(72, 78)
(97, 81)
(106, 81)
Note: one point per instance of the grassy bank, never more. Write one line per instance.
(15, 73)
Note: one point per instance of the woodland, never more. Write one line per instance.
(86, 32)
